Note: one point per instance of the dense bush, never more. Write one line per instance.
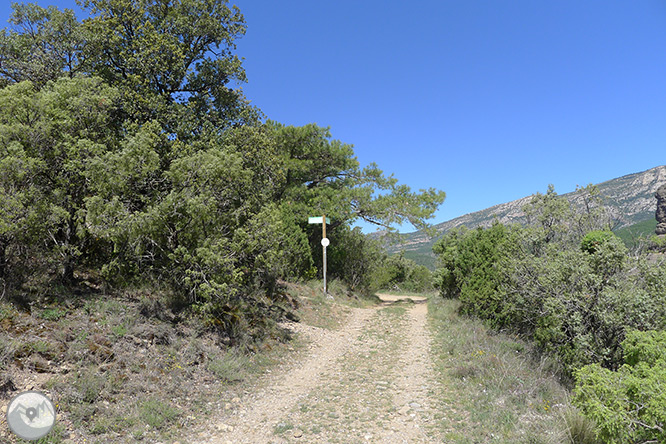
(398, 273)
(49, 139)
(577, 310)
(471, 270)
(628, 405)
(446, 249)
(594, 239)
(575, 293)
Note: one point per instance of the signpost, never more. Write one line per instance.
(319, 220)
(323, 220)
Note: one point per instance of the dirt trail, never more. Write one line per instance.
(370, 381)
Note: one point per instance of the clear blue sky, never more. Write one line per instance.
(489, 101)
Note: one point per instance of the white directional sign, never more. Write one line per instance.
(318, 220)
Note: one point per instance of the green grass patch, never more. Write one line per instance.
(157, 413)
(53, 314)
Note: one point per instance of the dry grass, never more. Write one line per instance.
(497, 391)
(579, 430)
(98, 356)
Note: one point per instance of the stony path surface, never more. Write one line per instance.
(370, 381)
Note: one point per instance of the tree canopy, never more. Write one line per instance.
(129, 153)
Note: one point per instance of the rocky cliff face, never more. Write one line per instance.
(630, 198)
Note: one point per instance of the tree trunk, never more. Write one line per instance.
(4, 244)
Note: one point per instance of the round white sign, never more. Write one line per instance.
(325, 242)
(31, 415)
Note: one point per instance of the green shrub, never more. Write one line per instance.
(592, 240)
(52, 314)
(400, 273)
(472, 270)
(629, 405)
(353, 258)
(607, 252)
(645, 347)
(574, 302)
(157, 414)
(447, 251)
(575, 291)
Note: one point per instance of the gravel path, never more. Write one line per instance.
(370, 381)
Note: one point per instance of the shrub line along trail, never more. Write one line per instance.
(369, 381)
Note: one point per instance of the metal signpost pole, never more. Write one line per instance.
(324, 243)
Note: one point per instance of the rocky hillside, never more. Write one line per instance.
(630, 199)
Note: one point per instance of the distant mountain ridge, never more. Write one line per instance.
(630, 199)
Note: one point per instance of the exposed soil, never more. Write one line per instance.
(369, 381)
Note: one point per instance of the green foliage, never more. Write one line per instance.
(648, 347)
(446, 248)
(593, 240)
(638, 234)
(546, 215)
(43, 44)
(323, 177)
(629, 405)
(607, 251)
(399, 273)
(420, 279)
(125, 153)
(609, 257)
(48, 139)
(471, 269)
(353, 258)
(478, 270)
(573, 295)
(53, 314)
(170, 61)
(593, 215)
